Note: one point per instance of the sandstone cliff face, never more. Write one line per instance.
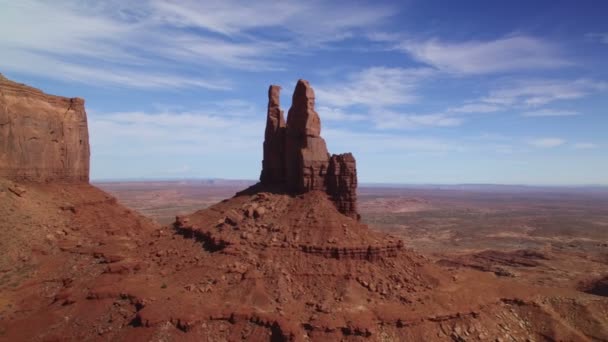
(43, 137)
(298, 145)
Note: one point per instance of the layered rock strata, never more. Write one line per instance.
(296, 156)
(43, 138)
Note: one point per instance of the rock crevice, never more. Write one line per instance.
(296, 156)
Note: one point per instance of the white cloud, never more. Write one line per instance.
(152, 43)
(481, 57)
(475, 108)
(234, 17)
(547, 142)
(51, 67)
(365, 142)
(537, 92)
(57, 28)
(585, 145)
(337, 114)
(374, 87)
(527, 96)
(385, 119)
(550, 112)
(197, 50)
(171, 133)
(379, 90)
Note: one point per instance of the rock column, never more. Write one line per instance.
(296, 157)
(342, 183)
(273, 164)
(306, 152)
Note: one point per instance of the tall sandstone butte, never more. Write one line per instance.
(296, 157)
(43, 138)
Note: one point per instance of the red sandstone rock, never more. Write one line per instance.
(342, 183)
(307, 155)
(295, 155)
(273, 165)
(42, 137)
(305, 272)
(303, 120)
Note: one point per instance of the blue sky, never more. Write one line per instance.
(508, 92)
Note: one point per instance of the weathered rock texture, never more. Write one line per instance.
(295, 154)
(342, 183)
(42, 137)
(307, 156)
(273, 165)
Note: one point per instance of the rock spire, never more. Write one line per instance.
(273, 164)
(295, 154)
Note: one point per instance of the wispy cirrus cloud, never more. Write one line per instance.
(386, 142)
(380, 90)
(475, 108)
(537, 92)
(550, 112)
(529, 96)
(339, 114)
(186, 42)
(547, 142)
(191, 133)
(237, 17)
(387, 120)
(483, 57)
(116, 76)
(374, 87)
(585, 146)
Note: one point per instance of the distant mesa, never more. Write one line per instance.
(43, 138)
(296, 156)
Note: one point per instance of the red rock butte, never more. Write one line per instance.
(296, 156)
(43, 138)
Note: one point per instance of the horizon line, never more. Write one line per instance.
(372, 183)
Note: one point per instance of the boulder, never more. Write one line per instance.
(259, 212)
(233, 217)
